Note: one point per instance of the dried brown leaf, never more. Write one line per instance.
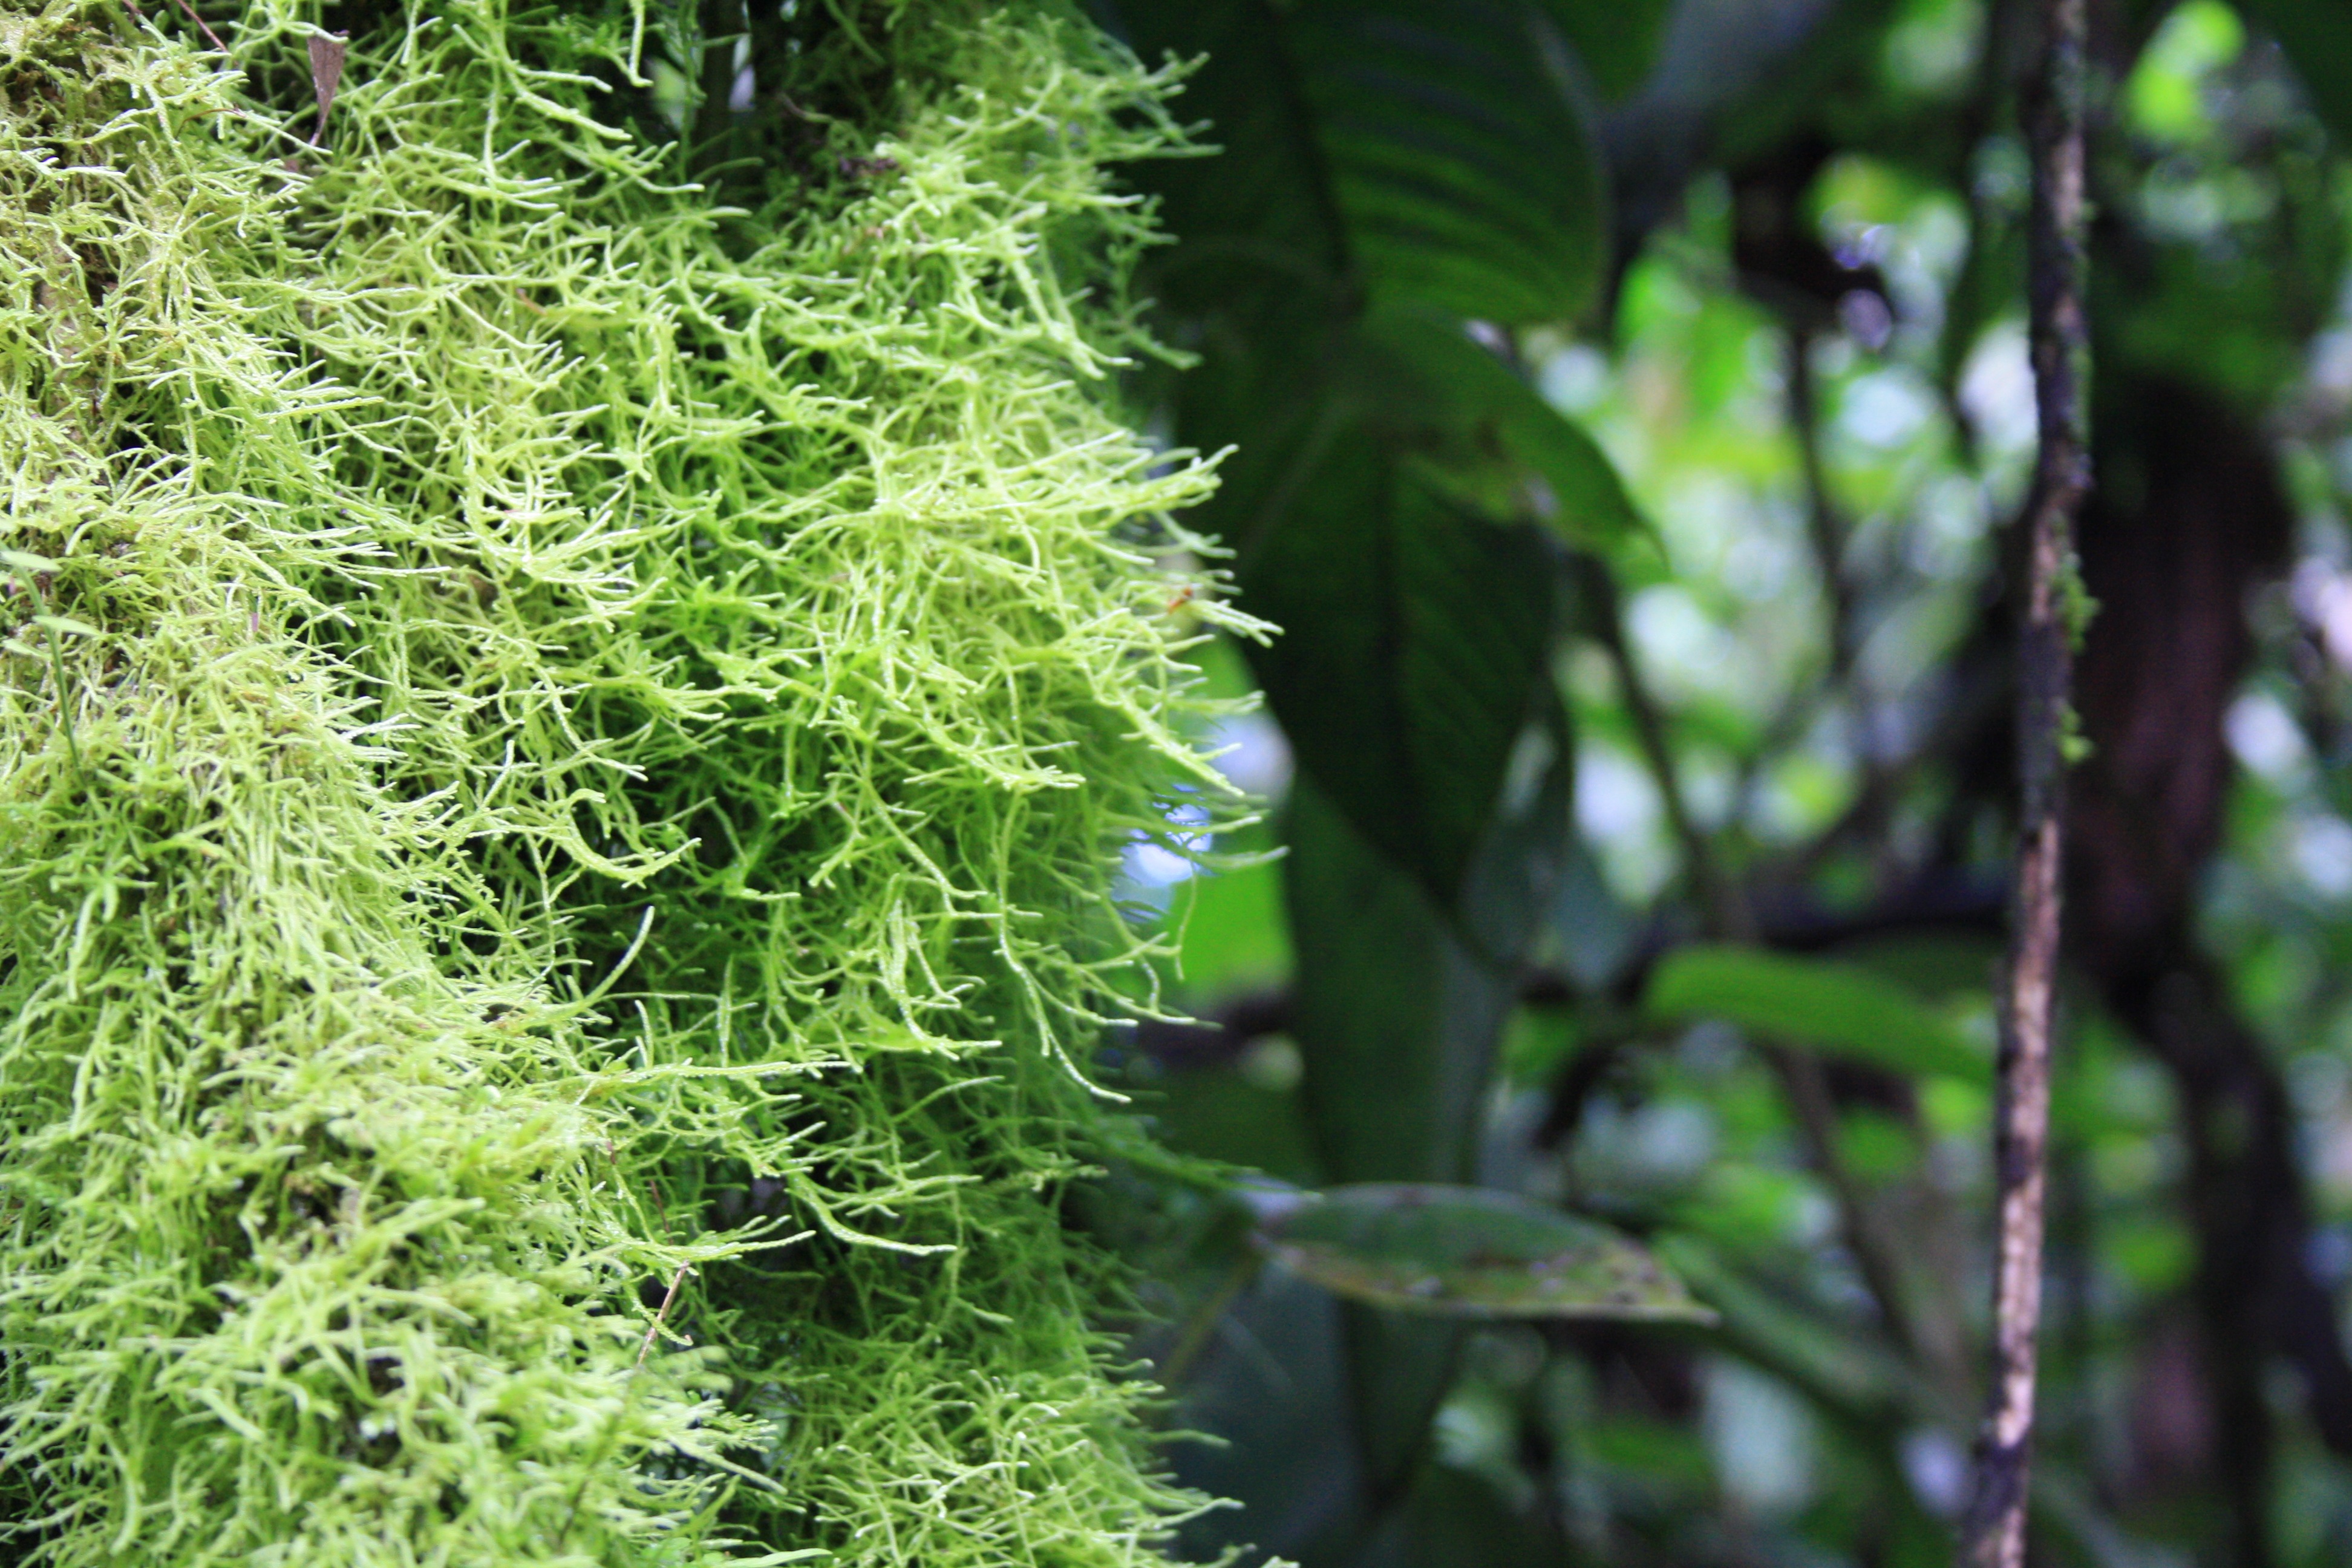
(327, 51)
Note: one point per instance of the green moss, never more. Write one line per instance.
(560, 734)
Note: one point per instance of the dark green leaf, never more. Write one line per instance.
(1449, 1515)
(1396, 1018)
(1468, 1252)
(1422, 153)
(1836, 1007)
(1423, 159)
(1616, 44)
(1491, 437)
(1274, 1389)
(1414, 654)
(1455, 158)
(1221, 1115)
(1400, 1366)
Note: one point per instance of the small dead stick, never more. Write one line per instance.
(606, 1444)
(203, 27)
(327, 51)
(654, 1328)
(1994, 1532)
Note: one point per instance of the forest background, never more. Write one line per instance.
(1629, 415)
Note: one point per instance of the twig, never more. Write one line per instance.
(1874, 1252)
(606, 1444)
(203, 27)
(1994, 1535)
(1826, 531)
(1727, 911)
(654, 1328)
(1729, 915)
(1202, 1321)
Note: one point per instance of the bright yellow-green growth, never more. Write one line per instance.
(559, 736)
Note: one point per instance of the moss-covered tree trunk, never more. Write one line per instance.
(563, 707)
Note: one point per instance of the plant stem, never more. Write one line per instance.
(1203, 1320)
(1994, 1536)
(654, 1328)
(64, 699)
(1823, 528)
(203, 27)
(607, 1444)
(1725, 909)
(1729, 917)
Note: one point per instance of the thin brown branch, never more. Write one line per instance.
(1730, 915)
(652, 1330)
(1874, 1252)
(1994, 1536)
(1826, 533)
(1824, 530)
(202, 27)
(1727, 911)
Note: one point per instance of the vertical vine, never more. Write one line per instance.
(1994, 1535)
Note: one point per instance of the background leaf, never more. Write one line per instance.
(1397, 1018)
(1830, 1007)
(1390, 169)
(2317, 37)
(1469, 1252)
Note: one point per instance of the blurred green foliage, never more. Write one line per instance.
(1640, 739)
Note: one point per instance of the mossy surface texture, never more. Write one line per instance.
(566, 696)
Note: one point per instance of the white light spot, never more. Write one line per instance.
(1575, 379)
(1884, 409)
(2323, 595)
(2322, 850)
(1996, 392)
(2266, 736)
(1938, 1469)
(1255, 754)
(1761, 1437)
(1614, 796)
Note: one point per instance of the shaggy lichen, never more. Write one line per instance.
(561, 718)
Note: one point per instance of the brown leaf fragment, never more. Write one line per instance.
(326, 74)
